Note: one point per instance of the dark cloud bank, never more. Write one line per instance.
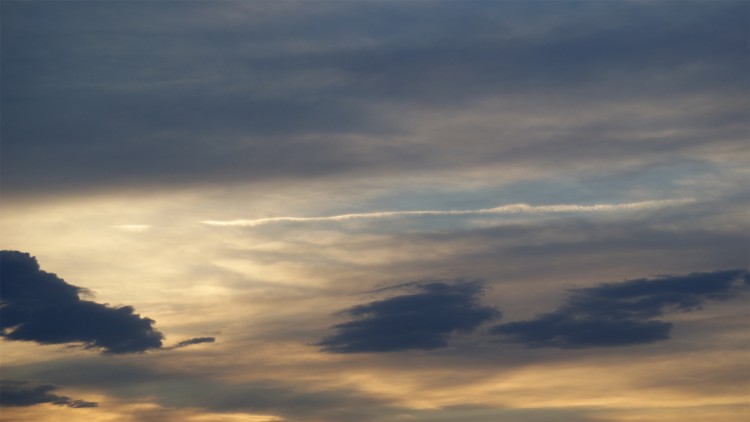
(608, 315)
(621, 314)
(422, 320)
(99, 95)
(171, 387)
(39, 306)
(18, 394)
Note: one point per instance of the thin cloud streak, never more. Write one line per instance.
(503, 209)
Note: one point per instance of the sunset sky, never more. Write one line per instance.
(375, 211)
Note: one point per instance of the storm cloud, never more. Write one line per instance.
(39, 306)
(620, 314)
(17, 393)
(422, 320)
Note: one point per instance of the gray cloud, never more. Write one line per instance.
(174, 390)
(467, 413)
(137, 381)
(192, 341)
(39, 306)
(167, 96)
(621, 314)
(17, 393)
(423, 320)
(590, 102)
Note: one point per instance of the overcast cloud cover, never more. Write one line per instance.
(375, 210)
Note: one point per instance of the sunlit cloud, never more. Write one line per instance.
(135, 228)
(502, 209)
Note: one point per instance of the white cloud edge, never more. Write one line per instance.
(520, 208)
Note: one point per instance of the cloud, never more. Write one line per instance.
(171, 386)
(423, 320)
(191, 341)
(478, 413)
(39, 306)
(189, 96)
(503, 209)
(565, 331)
(16, 393)
(620, 314)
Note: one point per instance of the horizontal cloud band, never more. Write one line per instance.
(503, 209)
(18, 394)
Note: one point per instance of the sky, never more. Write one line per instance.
(375, 211)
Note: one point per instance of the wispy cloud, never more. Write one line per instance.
(191, 341)
(503, 209)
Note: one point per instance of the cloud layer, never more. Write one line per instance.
(39, 306)
(621, 314)
(191, 96)
(17, 394)
(423, 320)
(533, 145)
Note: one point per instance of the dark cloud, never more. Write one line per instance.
(16, 393)
(566, 331)
(191, 341)
(620, 314)
(172, 387)
(39, 306)
(648, 298)
(422, 320)
(105, 94)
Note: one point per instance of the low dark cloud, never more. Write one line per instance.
(423, 320)
(620, 314)
(18, 394)
(192, 341)
(39, 306)
(568, 331)
(137, 381)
